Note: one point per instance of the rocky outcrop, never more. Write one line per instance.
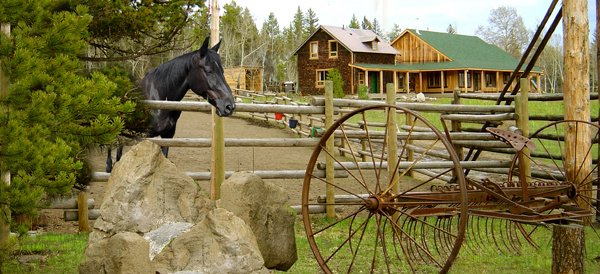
(155, 218)
(263, 206)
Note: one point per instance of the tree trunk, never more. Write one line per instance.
(4, 174)
(567, 249)
(577, 94)
(568, 241)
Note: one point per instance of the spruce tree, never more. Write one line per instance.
(55, 109)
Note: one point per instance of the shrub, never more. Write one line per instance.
(363, 92)
(338, 83)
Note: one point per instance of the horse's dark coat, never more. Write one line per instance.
(202, 72)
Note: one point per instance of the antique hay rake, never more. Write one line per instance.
(413, 211)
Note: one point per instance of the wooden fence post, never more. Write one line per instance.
(4, 174)
(522, 111)
(392, 138)
(567, 257)
(597, 90)
(83, 211)
(329, 161)
(455, 125)
(217, 162)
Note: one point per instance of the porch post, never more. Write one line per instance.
(381, 82)
(443, 84)
(407, 82)
(420, 82)
(395, 81)
(482, 81)
(498, 81)
(466, 83)
(367, 81)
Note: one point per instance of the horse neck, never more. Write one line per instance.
(169, 78)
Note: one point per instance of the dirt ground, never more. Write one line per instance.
(195, 124)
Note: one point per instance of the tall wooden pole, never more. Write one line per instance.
(597, 89)
(576, 100)
(392, 138)
(577, 90)
(4, 173)
(217, 162)
(329, 145)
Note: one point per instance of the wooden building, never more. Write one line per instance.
(424, 61)
(246, 78)
(340, 48)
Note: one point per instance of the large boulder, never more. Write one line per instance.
(124, 252)
(166, 222)
(145, 190)
(263, 206)
(221, 243)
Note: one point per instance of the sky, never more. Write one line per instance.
(433, 15)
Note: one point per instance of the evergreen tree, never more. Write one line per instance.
(55, 110)
(366, 24)
(298, 26)
(376, 27)
(394, 33)
(270, 32)
(354, 22)
(451, 29)
(312, 22)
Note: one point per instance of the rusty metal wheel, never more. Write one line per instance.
(549, 166)
(386, 220)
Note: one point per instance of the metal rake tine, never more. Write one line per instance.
(398, 242)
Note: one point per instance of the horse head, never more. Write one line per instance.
(207, 80)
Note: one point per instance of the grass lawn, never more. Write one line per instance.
(62, 253)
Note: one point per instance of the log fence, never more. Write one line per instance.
(311, 122)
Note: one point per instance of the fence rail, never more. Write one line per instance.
(310, 122)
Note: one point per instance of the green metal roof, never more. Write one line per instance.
(466, 52)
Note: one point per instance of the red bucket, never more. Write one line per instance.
(278, 116)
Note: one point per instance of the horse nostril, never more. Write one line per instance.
(230, 108)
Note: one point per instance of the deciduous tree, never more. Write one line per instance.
(506, 30)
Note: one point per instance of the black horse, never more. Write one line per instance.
(202, 72)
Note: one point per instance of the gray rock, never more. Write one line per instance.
(145, 191)
(154, 218)
(263, 206)
(221, 243)
(124, 252)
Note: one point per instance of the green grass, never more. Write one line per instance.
(64, 252)
(47, 253)
(478, 260)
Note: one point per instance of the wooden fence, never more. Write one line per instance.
(464, 120)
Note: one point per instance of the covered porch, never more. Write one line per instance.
(410, 78)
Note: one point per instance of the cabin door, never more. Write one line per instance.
(476, 81)
(373, 83)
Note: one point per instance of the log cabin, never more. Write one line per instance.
(424, 61)
(339, 48)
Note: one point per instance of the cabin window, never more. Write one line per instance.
(461, 80)
(490, 79)
(333, 49)
(314, 50)
(506, 77)
(434, 80)
(361, 78)
(321, 77)
(374, 45)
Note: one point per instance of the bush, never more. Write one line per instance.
(338, 83)
(363, 92)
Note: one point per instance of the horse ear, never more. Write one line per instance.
(204, 48)
(216, 47)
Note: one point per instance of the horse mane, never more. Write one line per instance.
(168, 77)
